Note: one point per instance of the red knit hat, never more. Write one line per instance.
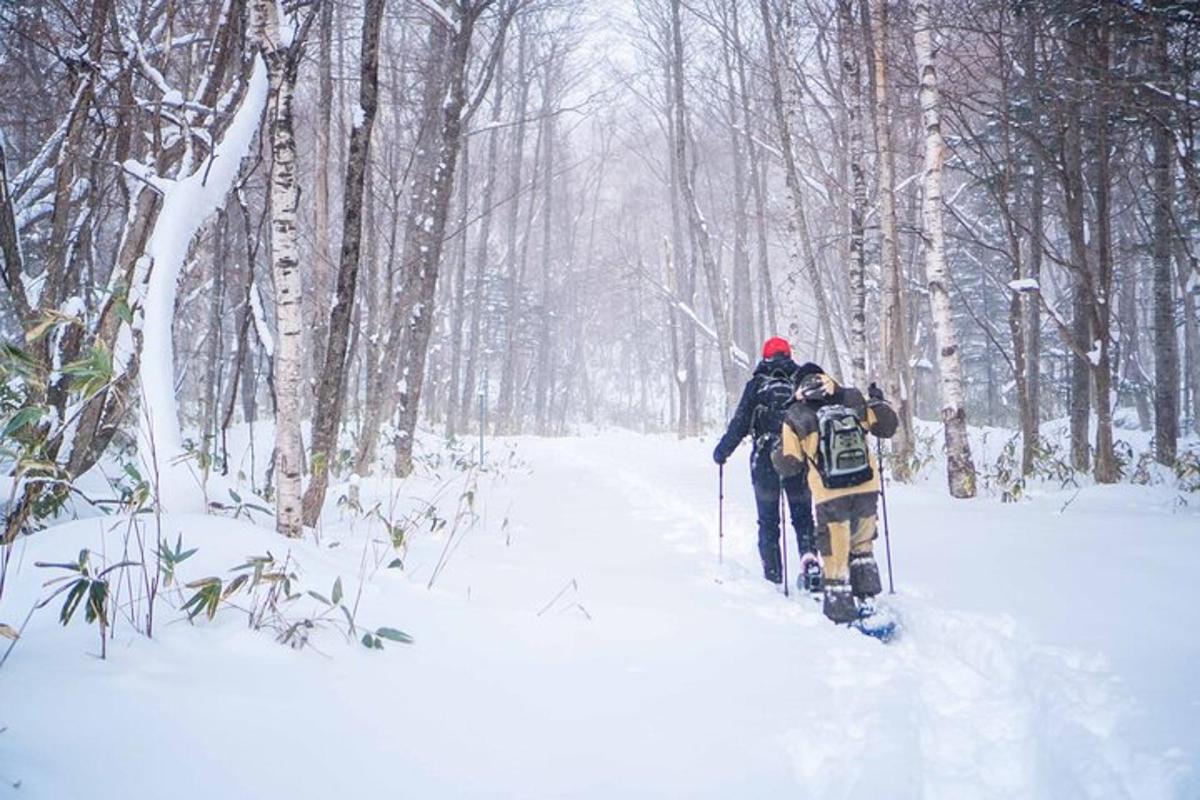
(776, 346)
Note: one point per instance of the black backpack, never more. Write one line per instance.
(775, 393)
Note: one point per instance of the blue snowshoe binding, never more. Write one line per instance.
(878, 623)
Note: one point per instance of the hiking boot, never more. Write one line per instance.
(839, 603)
(810, 579)
(864, 575)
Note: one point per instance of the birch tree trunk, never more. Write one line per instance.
(283, 62)
(331, 390)
(852, 81)
(893, 336)
(960, 470)
(1185, 268)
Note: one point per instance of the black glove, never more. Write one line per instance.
(719, 456)
(777, 459)
(875, 393)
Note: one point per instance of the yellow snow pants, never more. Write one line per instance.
(845, 526)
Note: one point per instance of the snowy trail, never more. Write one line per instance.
(965, 706)
(590, 648)
(961, 708)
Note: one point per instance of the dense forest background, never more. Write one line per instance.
(350, 219)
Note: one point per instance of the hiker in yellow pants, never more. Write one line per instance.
(826, 429)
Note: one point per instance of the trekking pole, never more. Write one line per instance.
(720, 514)
(783, 523)
(887, 539)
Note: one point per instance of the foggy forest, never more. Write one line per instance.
(341, 282)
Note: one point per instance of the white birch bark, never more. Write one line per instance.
(285, 266)
(852, 78)
(960, 469)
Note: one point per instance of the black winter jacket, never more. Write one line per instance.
(750, 420)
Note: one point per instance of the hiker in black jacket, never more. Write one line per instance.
(760, 415)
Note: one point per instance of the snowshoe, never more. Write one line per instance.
(878, 623)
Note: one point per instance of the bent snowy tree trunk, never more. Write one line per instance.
(331, 389)
(960, 468)
(187, 204)
(165, 206)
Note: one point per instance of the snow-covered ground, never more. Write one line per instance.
(581, 640)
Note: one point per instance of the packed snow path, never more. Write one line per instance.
(591, 646)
